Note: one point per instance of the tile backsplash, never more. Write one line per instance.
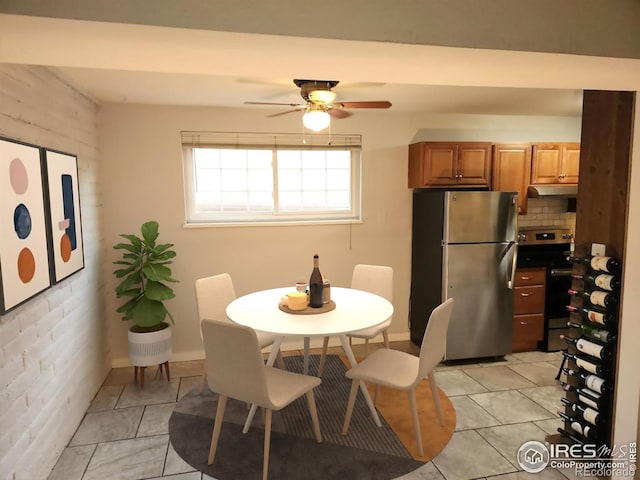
(546, 212)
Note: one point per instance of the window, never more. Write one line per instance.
(267, 178)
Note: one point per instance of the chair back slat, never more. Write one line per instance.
(377, 279)
(235, 367)
(213, 294)
(435, 338)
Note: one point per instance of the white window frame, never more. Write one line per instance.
(272, 142)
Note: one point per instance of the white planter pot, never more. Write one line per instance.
(150, 348)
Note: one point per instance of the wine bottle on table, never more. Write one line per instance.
(590, 381)
(588, 414)
(602, 280)
(599, 263)
(590, 348)
(315, 284)
(587, 431)
(590, 331)
(595, 316)
(597, 297)
(586, 396)
(588, 365)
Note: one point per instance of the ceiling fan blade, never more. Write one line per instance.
(376, 104)
(283, 113)
(297, 105)
(338, 113)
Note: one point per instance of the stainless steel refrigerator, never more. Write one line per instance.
(464, 247)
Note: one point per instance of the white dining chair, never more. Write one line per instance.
(376, 279)
(403, 371)
(213, 294)
(235, 369)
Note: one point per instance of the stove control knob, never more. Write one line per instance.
(522, 237)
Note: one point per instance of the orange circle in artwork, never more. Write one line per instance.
(65, 248)
(26, 265)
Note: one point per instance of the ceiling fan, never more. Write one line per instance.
(320, 104)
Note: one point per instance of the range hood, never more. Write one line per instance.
(569, 191)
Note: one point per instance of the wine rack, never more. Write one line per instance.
(590, 357)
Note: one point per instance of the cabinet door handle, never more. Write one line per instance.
(524, 323)
(525, 294)
(525, 278)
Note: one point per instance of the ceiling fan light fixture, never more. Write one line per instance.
(322, 96)
(316, 119)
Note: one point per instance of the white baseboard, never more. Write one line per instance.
(291, 343)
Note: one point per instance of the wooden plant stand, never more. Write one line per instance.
(159, 372)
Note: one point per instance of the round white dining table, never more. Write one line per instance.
(355, 310)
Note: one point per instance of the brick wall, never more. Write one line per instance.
(53, 349)
(547, 212)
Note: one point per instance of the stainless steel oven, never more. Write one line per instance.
(549, 248)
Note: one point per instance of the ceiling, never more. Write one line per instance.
(119, 86)
(171, 66)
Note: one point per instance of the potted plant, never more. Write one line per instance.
(145, 273)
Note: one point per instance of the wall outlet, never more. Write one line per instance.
(598, 250)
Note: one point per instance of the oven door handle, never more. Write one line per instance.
(560, 272)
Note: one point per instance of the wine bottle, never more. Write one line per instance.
(595, 316)
(587, 431)
(592, 382)
(586, 396)
(597, 297)
(599, 263)
(590, 348)
(588, 365)
(586, 413)
(603, 281)
(590, 331)
(315, 284)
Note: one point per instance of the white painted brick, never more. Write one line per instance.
(9, 329)
(47, 321)
(10, 411)
(10, 457)
(21, 342)
(31, 312)
(10, 370)
(36, 350)
(69, 353)
(58, 294)
(18, 387)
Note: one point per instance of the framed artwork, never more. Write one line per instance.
(24, 261)
(66, 251)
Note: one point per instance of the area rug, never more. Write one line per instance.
(366, 451)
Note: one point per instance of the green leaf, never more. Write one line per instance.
(157, 273)
(158, 291)
(123, 272)
(128, 282)
(162, 256)
(150, 232)
(134, 239)
(126, 246)
(126, 307)
(121, 262)
(163, 247)
(148, 313)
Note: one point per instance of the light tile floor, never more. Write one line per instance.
(499, 405)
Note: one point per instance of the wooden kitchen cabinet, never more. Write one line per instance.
(555, 163)
(511, 171)
(528, 309)
(449, 164)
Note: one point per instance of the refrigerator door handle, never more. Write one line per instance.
(514, 261)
